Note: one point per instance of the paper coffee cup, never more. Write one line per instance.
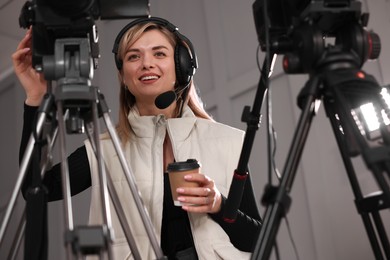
(177, 171)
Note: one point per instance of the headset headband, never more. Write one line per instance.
(160, 21)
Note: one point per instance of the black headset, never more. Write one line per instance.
(185, 58)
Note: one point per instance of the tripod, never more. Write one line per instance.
(339, 82)
(79, 104)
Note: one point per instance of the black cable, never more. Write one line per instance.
(292, 239)
(271, 133)
(266, 77)
(269, 104)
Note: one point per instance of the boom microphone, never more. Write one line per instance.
(165, 99)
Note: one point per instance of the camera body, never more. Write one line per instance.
(303, 30)
(51, 20)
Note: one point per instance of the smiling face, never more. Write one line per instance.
(149, 67)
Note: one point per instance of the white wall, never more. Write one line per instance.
(323, 219)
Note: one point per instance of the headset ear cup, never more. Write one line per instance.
(183, 65)
(118, 63)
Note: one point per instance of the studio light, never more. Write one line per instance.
(369, 120)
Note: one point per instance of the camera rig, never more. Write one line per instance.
(326, 39)
(64, 50)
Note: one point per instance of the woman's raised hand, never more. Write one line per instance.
(33, 82)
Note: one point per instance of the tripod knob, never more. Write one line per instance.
(366, 44)
(292, 64)
(375, 45)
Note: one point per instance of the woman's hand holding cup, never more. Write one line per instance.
(192, 190)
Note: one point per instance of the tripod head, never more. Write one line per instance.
(65, 45)
(311, 27)
(326, 38)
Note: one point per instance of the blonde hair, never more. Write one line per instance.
(127, 100)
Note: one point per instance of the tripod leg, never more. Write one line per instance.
(381, 180)
(18, 238)
(382, 234)
(121, 215)
(342, 144)
(279, 208)
(44, 110)
(119, 210)
(103, 180)
(68, 211)
(131, 181)
(22, 225)
(90, 239)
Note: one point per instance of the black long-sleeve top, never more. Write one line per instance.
(243, 232)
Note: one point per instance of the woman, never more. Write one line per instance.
(156, 63)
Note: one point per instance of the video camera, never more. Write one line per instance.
(301, 29)
(55, 19)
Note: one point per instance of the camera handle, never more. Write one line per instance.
(277, 199)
